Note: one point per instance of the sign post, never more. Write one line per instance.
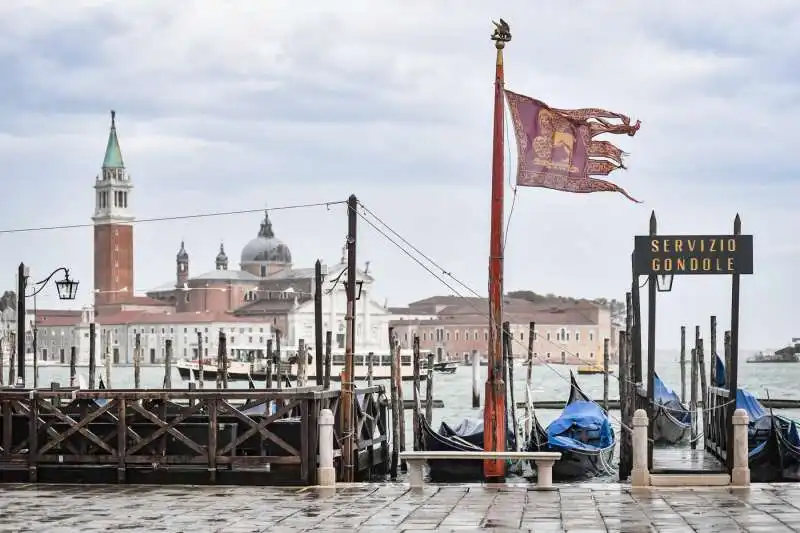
(660, 257)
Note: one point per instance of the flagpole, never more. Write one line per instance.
(494, 411)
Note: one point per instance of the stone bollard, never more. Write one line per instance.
(640, 476)
(740, 477)
(326, 474)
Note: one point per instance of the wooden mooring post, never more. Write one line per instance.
(107, 358)
(168, 364)
(12, 357)
(429, 389)
(137, 361)
(701, 372)
(278, 363)
(318, 355)
(415, 414)
(529, 382)
(302, 362)
(73, 361)
(92, 355)
(712, 353)
(476, 387)
(370, 369)
(509, 374)
(397, 409)
(693, 399)
(200, 360)
(220, 352)
(606, 356)
(683, 364)
(326, 382)
(270, 363)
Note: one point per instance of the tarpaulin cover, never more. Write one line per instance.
(581, 419)
(663, 394)
(748, 402)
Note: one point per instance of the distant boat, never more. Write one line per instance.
(444, 367)
(591, 369)
(787, 354)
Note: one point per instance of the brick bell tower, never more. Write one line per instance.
(113, 228)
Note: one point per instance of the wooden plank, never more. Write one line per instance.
(260, 427)
(167, 427)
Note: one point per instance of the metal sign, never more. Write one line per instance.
(693, 254)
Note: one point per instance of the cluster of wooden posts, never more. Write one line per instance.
(709, 399)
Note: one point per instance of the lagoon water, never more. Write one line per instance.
(549, 382)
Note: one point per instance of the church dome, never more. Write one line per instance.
(266, 247)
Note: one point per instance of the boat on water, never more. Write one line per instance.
(673, 421)
(443, 367)
(582, 434)
(773, 441)
(243, 370)
(465, 436)
(592, 369)
(787, 354)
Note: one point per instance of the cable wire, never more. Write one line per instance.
(470, 303)
(178, 217)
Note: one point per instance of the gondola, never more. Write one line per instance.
(673, 421)
(466, 436)
(582, 434)
(773, 442)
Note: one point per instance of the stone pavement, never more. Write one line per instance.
(384, 508)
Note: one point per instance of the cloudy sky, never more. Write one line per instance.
(225, 106)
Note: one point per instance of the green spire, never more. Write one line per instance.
(113, 158)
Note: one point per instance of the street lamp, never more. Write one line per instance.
(359, 287)
(67, 290)
(664, 282)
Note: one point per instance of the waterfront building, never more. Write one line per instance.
(454, 328)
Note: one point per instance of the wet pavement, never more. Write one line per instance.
(384, 508)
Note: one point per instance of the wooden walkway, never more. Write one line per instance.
(683, 460)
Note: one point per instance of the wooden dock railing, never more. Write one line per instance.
(181, 436)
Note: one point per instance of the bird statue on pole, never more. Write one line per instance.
(502, 31)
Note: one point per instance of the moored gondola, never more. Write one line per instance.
(466, 436)
(673, 421)
(773, 442)
(582, 434)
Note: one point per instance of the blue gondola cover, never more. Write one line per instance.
(578, 419)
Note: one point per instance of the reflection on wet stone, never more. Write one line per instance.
(386, 508)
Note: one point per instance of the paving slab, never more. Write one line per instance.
(385, 507)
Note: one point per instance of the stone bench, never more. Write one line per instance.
(544, 463)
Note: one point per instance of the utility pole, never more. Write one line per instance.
(318, 321)
(22, 282)
(350, 336)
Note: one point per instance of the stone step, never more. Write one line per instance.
(690, 480)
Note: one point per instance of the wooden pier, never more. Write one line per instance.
(218, 436)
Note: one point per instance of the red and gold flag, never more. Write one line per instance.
(556, 147)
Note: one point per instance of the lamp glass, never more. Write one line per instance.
(664, 282)
(67, 288)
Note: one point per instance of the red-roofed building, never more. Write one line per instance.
(456, 328)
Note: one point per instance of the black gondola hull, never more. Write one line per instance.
(667, 429)
(575, 464)
(450, 470)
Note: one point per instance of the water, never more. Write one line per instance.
(455, 390)
(548, 383)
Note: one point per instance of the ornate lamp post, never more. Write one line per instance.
(67, 290)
